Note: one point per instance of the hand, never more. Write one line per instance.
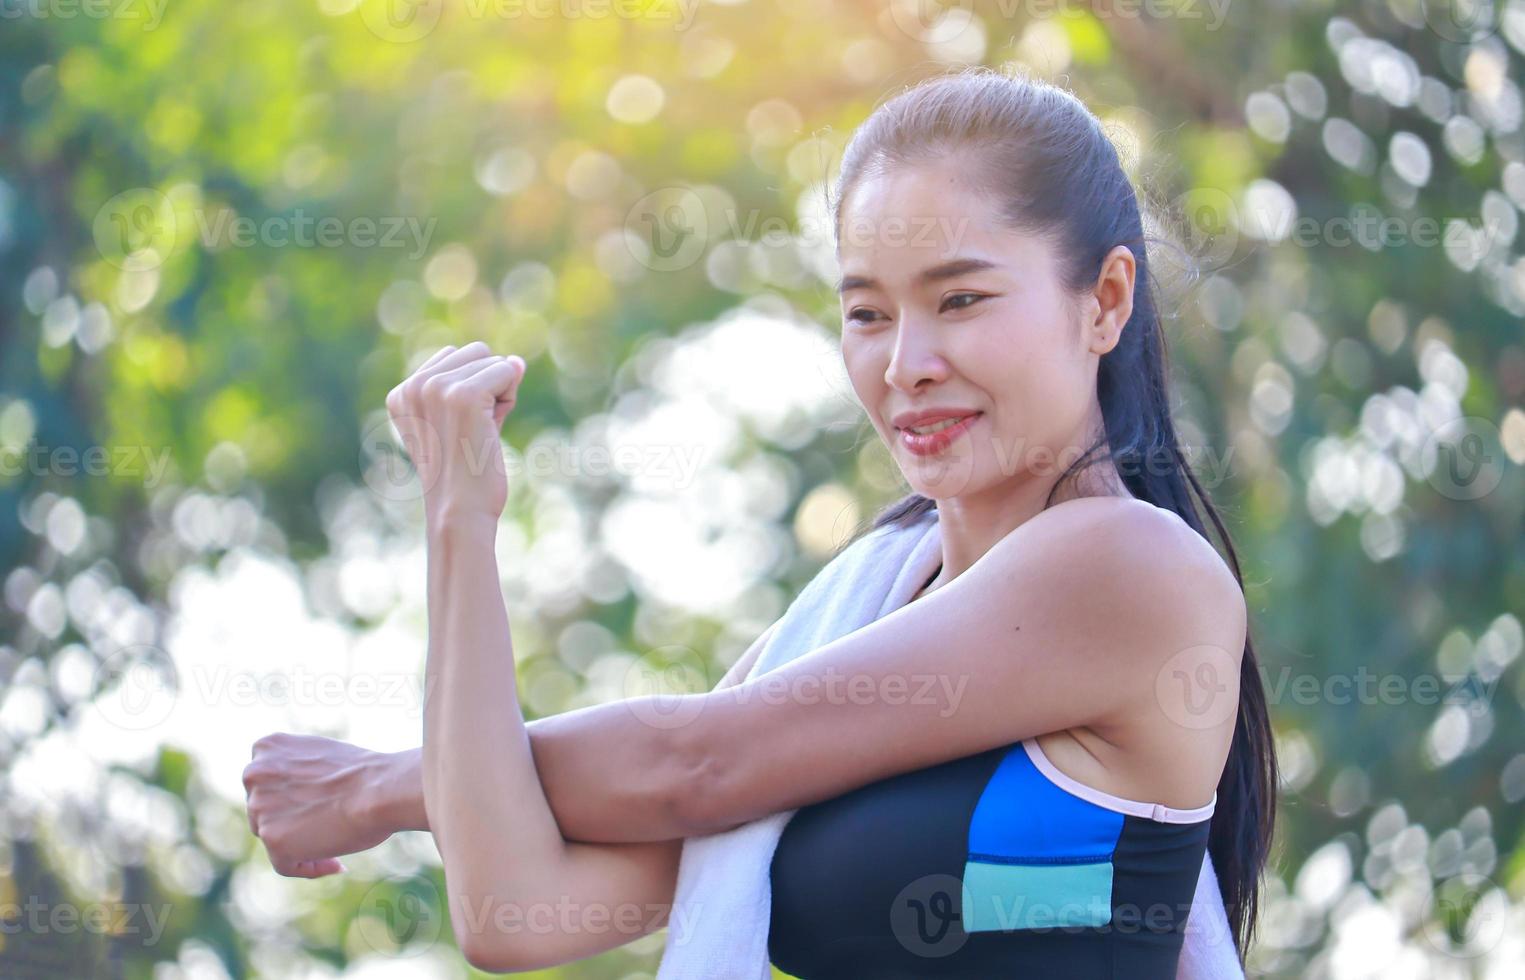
(449, 413)
(309, 801)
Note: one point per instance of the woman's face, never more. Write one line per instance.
(943, 309)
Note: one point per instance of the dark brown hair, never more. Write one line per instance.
(1045, 160)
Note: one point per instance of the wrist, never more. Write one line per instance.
(390, 797)
(452, 517)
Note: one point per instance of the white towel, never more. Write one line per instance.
(723, 904)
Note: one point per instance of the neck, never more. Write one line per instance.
(970, 525)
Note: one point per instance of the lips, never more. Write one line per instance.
(931, 443)
(928, 428)
(925, 417)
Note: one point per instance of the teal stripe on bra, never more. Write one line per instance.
(1002, 897)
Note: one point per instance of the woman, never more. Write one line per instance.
(1110, 724)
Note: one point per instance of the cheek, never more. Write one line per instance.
(865, 370)
(867, 354)
(1025, 364)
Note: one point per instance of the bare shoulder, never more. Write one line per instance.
(1132, 545)
(1136, 580)
(1142, 583)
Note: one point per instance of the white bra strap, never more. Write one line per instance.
(1154, 811)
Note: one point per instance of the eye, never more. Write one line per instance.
(972, 297)
(853, 317)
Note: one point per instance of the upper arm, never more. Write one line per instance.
(605, 895)
(1070, 620)
(630, 885)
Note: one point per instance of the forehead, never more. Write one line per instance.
(911, 218)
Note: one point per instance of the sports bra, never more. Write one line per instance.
(992, 865)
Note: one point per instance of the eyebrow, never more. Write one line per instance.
(936, 273)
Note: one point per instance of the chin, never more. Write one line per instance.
(956, 480)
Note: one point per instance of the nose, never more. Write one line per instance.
(917, 358)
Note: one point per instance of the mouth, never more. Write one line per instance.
(938, 426)
(934, 437)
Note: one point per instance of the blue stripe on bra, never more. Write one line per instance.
(1022, 816)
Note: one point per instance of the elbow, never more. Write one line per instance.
(482, 947)
(492, 951)
(488, 956)
(498, 924)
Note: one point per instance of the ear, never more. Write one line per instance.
(1114, 299)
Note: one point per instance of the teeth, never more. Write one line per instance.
(925, 430)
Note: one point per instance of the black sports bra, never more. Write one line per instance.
(993, 865)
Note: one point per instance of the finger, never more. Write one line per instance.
(474, 351)
(434, 358)
(508, 397)
(498, 383)
(505, 404)
(317, 868)
(450, 376)
(292, 869)
(501, 376)
(495, 378)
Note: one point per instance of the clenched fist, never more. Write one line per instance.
(309, 802)
(449, 413)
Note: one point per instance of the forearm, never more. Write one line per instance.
(608, 776)
(482, 797)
